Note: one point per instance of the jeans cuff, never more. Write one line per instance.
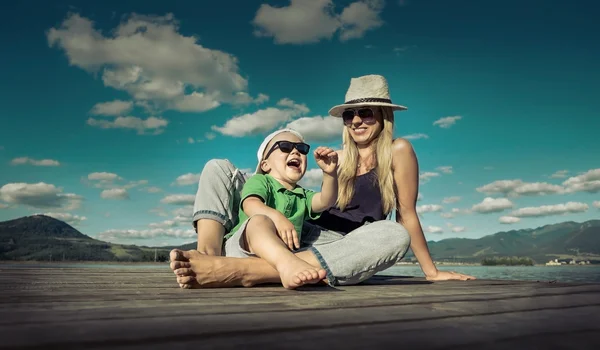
(331, 280)
(212, 215)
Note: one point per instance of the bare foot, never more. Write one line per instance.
(196, 270)
(297, 272)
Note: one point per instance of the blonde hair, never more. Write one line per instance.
(383, 153)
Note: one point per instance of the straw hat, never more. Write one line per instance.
(368, 90)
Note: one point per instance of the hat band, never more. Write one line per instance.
(368, 99)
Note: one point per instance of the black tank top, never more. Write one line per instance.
(365, 206)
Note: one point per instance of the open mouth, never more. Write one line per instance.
(294, 164)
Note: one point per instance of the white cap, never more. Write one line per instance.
(263, 145)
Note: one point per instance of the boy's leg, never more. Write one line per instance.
(258, 236)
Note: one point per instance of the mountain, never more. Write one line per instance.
(43, 238)
(541, 244)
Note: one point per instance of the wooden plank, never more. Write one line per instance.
(123, 308)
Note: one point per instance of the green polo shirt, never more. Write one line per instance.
(294, 204)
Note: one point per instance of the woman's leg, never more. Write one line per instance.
(217, 204)
(360, 254)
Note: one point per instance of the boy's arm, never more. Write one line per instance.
(328, 195)
(253, 205)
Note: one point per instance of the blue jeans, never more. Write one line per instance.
(348, 259)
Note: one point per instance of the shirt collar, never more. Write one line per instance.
(279, 187)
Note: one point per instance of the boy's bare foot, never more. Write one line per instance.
(297, 272)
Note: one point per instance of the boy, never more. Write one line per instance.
(273, 207)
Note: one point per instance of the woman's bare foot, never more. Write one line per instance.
(297, 272)
(196, 270)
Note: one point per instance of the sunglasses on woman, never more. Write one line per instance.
(366, 115)
(288, 146)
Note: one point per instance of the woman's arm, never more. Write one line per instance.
(406, 179)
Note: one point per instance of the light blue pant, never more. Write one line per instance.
(348, 259)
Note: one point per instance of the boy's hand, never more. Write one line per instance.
(287, 232)
(327, 159)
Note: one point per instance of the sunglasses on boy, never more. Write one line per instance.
(288, 146)
(366, 115)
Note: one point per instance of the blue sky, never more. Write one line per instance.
(110, 109)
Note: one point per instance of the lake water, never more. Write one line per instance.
(564, 273)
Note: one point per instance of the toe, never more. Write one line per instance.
(179, 264)
(185, 279)
(176, 255)
(184, 272)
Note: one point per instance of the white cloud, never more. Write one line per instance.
(103, 176)
(428, 208)
(360, 17)
(449, 200)
(3, 206)
(312, 179)
(39, 195)
(415, 136)
(187, 179)
(152, 189)
(179, 199)
(112, 108)
(447, 121)
(419, 197)
(311, 21)
(300, 108)
(115, 193)
(112, 235)
(164, 224)
(318, 128)
(445, 169)
(196, 102)
(210, 136)
(262, 120)
(560, 174)
(73, 220)
(426, 176)
(550, 210)
(508, 220)
(27, 160)
(447, 215)
(137, 183)
(492, 205)
(147, 57)
(152, 125)
(596, 204)
(586, 182)
(458, 229)
(513, 188)
(434, 229)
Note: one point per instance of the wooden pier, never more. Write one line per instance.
(137, 308)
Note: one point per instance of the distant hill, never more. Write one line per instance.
(541, 244)
(42, 238)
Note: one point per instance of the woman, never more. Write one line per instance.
(351, 241)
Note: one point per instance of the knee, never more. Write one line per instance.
(393, 235)
(218, 166)
(259, 223)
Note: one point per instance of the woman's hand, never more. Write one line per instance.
(327, 159)
(449, 275)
